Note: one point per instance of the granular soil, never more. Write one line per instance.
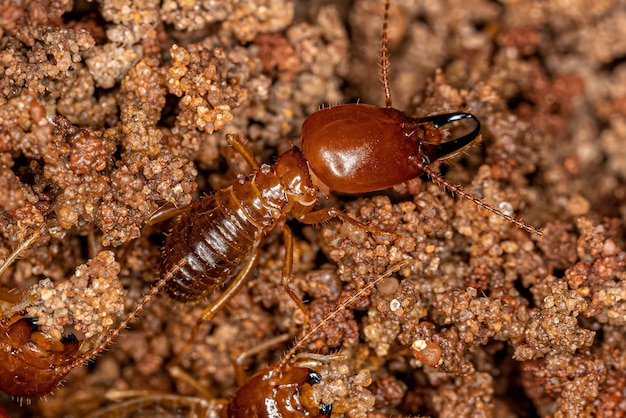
(113, 110)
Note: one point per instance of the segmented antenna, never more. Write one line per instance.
(383, 61)
(456, 190)
(18, 251)
(343, 306)
(106, 342)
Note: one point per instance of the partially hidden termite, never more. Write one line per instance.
(283, 390)
(353, 148)
(36, 340)
(287, 393)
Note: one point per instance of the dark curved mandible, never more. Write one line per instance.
(450, 147)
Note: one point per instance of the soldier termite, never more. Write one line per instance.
(351, 148)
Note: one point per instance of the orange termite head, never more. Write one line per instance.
(273, 392)
(360, 148)
(31, 360)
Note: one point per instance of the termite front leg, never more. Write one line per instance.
(239, 146)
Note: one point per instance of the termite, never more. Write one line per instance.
(353, 148)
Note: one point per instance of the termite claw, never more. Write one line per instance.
(450, 148)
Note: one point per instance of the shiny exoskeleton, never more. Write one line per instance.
(30, 360)
(265, 394)
(219, 235)
(276, 393)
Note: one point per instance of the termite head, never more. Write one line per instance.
(362, 148)
(31, 360)
(37, 354)
(277, 392)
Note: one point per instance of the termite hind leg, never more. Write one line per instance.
(233, 288)
(239, 146)
(288, 270)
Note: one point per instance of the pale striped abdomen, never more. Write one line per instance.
(208, 246)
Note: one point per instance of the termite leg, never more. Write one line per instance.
(287, 271)
(92, 245)
(179, 374)
(237, 283)
(8, 296)
(296, 346)
(316, 217)
(162, 215)
(235, 142)
(238, 359)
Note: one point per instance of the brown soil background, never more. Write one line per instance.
(103, 121)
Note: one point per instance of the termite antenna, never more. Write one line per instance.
(19, 250)
(344, 305)
(457, 190)
(106, 341)
(383, 61)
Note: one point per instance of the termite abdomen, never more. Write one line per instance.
(209, 244)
